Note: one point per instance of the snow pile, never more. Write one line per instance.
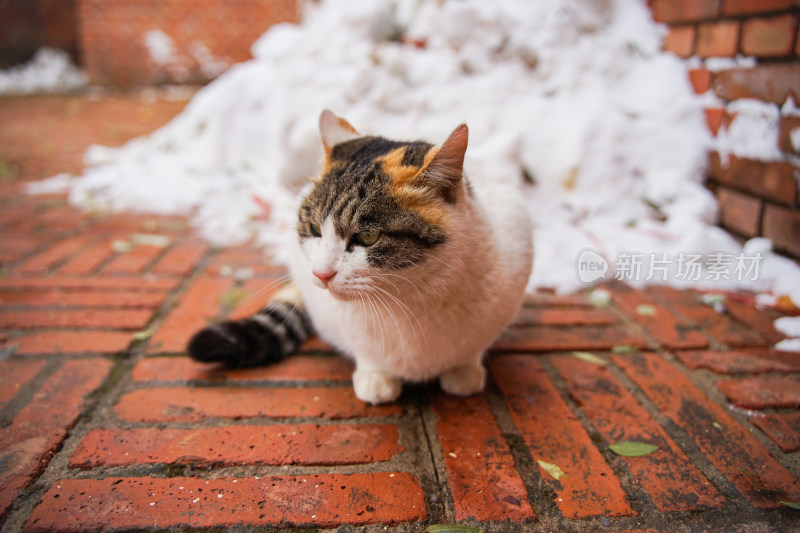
(50, 70)
(574, 96)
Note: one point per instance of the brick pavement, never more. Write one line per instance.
(106, 424)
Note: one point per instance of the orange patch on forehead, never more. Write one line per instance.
(404, 191)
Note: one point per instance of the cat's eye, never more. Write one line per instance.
(313, 229)
(367, 238)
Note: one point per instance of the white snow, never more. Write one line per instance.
(573, 94)
(753, 133)
(50, 70)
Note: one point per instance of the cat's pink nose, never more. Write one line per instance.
(324, 275)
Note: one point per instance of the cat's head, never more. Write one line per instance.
(379, 207)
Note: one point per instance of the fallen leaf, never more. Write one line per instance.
(793, 505)
(599, 298)
(628, 448)
(645, 310)
(143, 335)
(231, 298)
(151, 239)
(624, 349)
(121, 246)
(551, 469)
(589, 358)
(447, 528)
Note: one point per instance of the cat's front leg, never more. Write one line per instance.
(464, 380)
(375, 386)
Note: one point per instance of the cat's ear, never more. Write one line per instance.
(445, 170)
(335, 130)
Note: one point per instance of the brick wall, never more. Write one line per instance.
(757, 198)
(193, 40)
(27, 25)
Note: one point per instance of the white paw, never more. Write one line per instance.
(463, 380)
(374, 386)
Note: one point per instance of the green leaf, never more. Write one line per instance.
(589, 358)
(150, 239)
(143, 335)
(552, 469)
(120, 246)
(645, 310)
(232, 298)
(632, 449)
(446, 528)
(624, 349)
(793, 505)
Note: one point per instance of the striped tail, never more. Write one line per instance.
(266, 337)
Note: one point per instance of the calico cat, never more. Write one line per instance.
(400, 262)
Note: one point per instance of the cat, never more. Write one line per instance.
(400, 263)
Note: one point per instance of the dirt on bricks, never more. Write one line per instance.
(106, 425)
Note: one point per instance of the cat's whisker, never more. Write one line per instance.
(274, 283)
(385, 305)
(406, 310)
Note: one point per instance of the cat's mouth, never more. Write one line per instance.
(342, 290)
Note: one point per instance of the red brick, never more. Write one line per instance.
(141, 283)
(294, 368)
(684, 10)
(770, 83)
(750, 7)
(668, 475)
(730, 447)
(14, 374)
(662, 324)
(719, 325)
(532, 316)
(548, 299)
(14, 247)
(89, 259)
(480, 469)
(178, 404)
(76, 318)
(768, 180)
(735, 362)
(739, 212)
(762, 392)
(717, 39)
(769, 36)
(782, 428)
(181, 258)
(300, 444)
(83, 298)
(555, 339)
(134, 261)
(758, 319)
(554, 435)
(73, 342)
(313, 500)
(244, 257)
(680, 40)
(55, 254)
(315, 345)
(198, 305)
(114, 52)
(700, 79)
(782, 226)
(789, 124)
(797, 45)
(715, 117)
(38, 429)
